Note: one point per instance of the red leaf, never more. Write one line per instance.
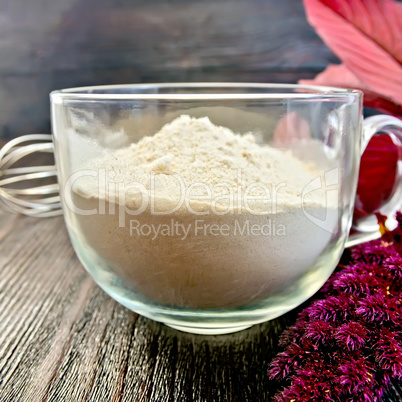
(341, 76)
(377, 175)
(367, 36)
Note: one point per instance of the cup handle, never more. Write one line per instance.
(367, 228)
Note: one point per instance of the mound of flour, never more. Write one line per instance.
(161, 196)
(194, 158)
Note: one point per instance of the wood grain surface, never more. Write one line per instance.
(47, 45)
(63, 339)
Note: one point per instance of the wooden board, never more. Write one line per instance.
(63, 338)
(47, 45)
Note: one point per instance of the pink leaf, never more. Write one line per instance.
(367, 36)
(337, 76)
(291, 127)
(341, 76)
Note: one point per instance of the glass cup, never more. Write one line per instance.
(212, 206)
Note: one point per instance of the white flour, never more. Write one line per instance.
(192, 151)
(198, 216)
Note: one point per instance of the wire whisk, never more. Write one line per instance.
(29, 190)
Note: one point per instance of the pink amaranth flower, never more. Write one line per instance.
(351, 335)
(347, 345)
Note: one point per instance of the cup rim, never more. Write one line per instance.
(116, 92)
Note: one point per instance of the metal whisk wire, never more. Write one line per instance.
(38, 200)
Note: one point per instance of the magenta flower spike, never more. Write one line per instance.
(347, 345)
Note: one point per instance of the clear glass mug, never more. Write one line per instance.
(209, 229)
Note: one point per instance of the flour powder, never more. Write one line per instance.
(201, 217)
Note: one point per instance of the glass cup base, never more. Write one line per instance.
(208, 331)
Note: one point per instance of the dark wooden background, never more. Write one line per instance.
(61, 336)
(53, 44)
